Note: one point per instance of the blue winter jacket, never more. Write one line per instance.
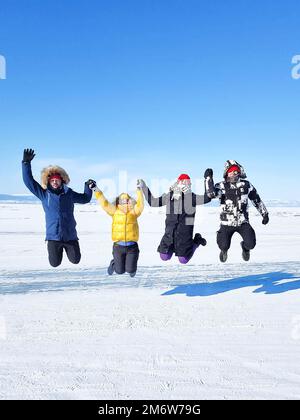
(59, 209)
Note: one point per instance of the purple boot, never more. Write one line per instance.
(166, 257)
(185, 260)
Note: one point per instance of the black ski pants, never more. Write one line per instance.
(246, 231)
(126, 258)
(56, 248)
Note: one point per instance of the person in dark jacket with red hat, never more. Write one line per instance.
(234, 192)
(180, 204)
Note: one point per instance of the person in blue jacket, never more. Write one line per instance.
(58, 203)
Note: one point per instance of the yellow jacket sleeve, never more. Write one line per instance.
(105, 204)
(139, 207)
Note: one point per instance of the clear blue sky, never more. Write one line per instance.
(153, 87)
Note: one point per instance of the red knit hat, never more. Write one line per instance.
(183, 177)
(234, 168)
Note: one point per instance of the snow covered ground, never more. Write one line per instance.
(201, 331)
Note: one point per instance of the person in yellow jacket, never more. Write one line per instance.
(125, 229)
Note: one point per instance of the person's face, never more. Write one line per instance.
(185, 183)
(125, 205)
(55, 183)
(233, 176)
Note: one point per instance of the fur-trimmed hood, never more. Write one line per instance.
(51, 170)
(230, 163)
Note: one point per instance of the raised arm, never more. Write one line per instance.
(33, 186)
(108, 207)
(86, 196)
(211, 190)
(257, 202)
(153, 201)
(139, 207)
(201, 199)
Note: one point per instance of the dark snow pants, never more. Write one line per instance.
(126, 258)
(246, 231)
(56, 248)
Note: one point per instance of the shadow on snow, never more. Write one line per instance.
(180, 282)
(268, 283)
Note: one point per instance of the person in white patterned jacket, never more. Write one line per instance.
(234, 193)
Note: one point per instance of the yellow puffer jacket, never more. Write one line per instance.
(124, 226)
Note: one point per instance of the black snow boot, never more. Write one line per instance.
(111, 268)
(223, 256)
(198, 240)
(245, 253)
(132, 274)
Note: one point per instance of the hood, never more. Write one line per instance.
(230, 163)
(51, 170)
(125, 196)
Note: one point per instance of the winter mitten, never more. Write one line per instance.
(28, 155)
(91, 184)
(177, 191)
(208, 173)
(265, 219)
(141, 184)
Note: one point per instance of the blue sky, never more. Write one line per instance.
(151, 87)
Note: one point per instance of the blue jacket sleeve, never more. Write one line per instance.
(31, 183)
(83, 198)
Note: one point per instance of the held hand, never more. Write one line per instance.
(208, 173)
(141, 184)
(91, 184)
(28, 155)
(265, 219)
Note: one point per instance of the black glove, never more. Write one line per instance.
(265, 219)
(91, 184)
(28, 155)
(208, 173)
